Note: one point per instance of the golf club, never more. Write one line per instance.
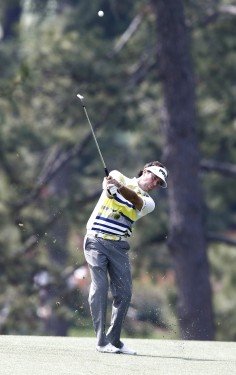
(81, 97)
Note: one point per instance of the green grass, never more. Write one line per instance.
(34, 355)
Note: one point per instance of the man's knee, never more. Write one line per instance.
(128, 294)
(123, 295)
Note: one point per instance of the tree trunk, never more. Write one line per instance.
(186, 241)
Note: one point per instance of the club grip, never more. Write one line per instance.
(106, 171)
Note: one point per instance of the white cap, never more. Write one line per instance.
(159, 172)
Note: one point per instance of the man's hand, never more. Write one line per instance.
(111, 189)
(113, 181)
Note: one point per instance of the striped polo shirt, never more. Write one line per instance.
(117, 216)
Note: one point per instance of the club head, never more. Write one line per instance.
(81, 97)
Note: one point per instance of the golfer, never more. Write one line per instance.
(122, 202)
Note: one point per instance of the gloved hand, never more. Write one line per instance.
(111, 190)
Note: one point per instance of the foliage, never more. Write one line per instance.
(59, 51)
(223, 281)
(214, 56)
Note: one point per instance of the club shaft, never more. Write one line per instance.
(96, 142)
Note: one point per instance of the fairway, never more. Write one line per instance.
(34, 355)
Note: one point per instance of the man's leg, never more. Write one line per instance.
(121, 286)
(97, 262)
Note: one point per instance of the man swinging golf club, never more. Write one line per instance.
(123, 201)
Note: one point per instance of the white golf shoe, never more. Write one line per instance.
(125, 350)
(109, 348)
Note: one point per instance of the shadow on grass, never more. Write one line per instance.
(182, 358)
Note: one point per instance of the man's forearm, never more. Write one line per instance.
(131, 196)
(127, 193)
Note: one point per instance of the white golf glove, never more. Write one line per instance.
(111, 190)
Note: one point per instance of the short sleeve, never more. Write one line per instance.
(148, 206)
(118, 176)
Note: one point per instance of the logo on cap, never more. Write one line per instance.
(163, 171)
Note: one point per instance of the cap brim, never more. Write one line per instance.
(163, 183)
(157, 172)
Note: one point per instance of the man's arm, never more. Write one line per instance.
(127, 193)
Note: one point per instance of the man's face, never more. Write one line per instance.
(149, 181)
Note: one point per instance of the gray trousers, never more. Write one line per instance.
(108, 258)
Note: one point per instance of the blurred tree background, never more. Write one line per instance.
(51, 174)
